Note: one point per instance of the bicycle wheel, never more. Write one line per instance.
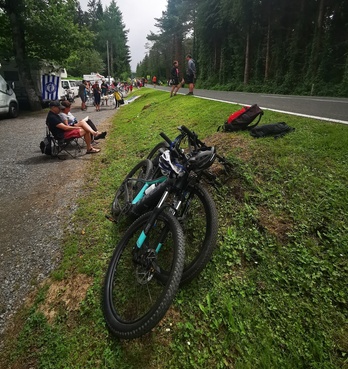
(199, 219)
(140, 284)
(129, 188)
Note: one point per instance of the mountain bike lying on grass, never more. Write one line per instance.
(148, 263)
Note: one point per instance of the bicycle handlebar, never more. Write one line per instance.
(166, 138)
(193, 138)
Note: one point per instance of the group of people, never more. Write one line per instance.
(97, 90)
(63, 125)
(190, 77)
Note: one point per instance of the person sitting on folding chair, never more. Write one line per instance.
(62, 131)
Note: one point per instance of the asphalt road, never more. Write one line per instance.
(333, 109)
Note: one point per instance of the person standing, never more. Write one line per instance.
(104, 87)
(174, 77)
(190, 74)
(97, 95)
(83, 94)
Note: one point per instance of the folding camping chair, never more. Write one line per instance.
(60, 147)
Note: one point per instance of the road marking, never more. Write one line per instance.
(301, 98)
(279, 111)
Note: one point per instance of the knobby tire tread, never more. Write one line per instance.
(151, 319)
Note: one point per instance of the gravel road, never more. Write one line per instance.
(37, 194)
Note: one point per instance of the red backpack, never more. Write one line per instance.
(240, 120)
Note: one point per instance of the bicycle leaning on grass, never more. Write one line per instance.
(149, 264)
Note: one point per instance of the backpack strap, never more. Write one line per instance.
(254, 125)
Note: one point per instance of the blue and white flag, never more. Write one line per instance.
(49, 87)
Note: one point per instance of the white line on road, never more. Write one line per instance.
(280, 111)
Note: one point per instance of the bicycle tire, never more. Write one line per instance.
(128, 190)
(133, 305)
(157, 150)
(200, 225)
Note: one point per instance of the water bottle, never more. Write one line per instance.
(150, 189)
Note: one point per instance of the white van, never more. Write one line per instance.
(69, 91)
(74, 86)
(8, 100)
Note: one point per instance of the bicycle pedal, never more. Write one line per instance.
(109, 217)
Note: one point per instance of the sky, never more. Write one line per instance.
(139, 18)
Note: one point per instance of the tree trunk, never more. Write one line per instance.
(20, 57)
(246, 67)
(317, 41)
(268, 48)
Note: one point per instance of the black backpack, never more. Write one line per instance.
(46, 144)
(274, 129)
(241, 119)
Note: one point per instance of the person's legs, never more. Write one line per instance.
(87, 138)
(83, 102)
(178, 87)
(85, 126)
(92, 125)
(90, 148)
(190, 81)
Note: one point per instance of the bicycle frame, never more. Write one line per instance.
(147, 184)
(183, 182)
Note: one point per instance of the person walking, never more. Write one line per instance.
(190, 73)
(174, 77)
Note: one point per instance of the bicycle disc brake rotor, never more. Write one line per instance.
(146, 266)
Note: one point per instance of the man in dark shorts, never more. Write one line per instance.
(83, 94)
(174, 77)
(190, 73)
(62, 131)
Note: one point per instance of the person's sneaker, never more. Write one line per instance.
(101, 136)
(190, 93)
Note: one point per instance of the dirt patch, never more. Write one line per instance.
(69, 293)
(278, 226)
(227, 141)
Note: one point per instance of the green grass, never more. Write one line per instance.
(275, 292)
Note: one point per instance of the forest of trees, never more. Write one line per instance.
(59, 31)
(276, 46)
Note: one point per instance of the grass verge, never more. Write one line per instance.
(275, 292)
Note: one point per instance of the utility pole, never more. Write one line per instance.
(108, 59)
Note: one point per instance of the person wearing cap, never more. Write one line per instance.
(62, 131)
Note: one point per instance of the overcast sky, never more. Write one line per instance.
(139, 18)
